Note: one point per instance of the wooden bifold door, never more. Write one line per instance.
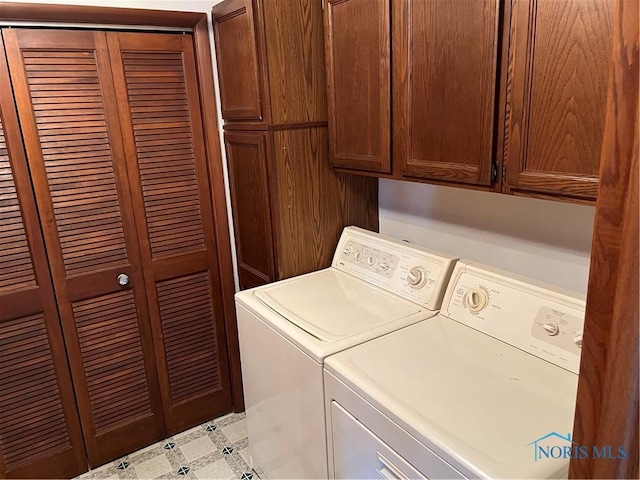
(112, 130)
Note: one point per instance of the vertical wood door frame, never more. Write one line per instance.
(607, 403)
(199, 23)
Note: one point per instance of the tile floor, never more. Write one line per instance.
(216, 450)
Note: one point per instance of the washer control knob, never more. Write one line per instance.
(358, 256)
(347, 251)
(476, 299)
(417, 277)
(371, 261)
(551, 328)
(578, 339)
(384, 266)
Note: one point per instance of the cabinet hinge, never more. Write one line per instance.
(494, 172)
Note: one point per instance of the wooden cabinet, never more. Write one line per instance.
(495, 95)
(559, 72)
(444, 77)
(114, 139)
(358, 49)
(288, 205)
(270, 61)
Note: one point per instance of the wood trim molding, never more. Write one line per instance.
(607, 403)
(32, 12)
(40, 12)
(216, 173)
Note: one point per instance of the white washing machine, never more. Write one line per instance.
(374, 286)
(486, 389)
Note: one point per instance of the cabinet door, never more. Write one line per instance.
(559, 54)
(444, 85)
(247, 162)
(357, 43)
(238, 56)
(155, 77)
(65, 97)
(40, 434)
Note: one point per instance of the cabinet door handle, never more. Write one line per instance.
(388, 470)
(123, 279)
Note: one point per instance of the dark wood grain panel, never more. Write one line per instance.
(239, 71)
(81, 185)
(560, 54)
(40, 433)
(163, 138)
(607, 400)
(314, 203)
(249, 185)
(189, 336)
(108, 329)
(358, 48)
(294, 48)
(445, 67)
(24, 341)
(16, 269)
(167, 166)
(81, 176)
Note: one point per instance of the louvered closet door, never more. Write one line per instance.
(65, 98)
(40, 432)
(154, 75)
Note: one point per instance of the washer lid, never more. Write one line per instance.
(476, 401)
(331, 305)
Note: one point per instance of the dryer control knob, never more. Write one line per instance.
(578, 339)
(476, 299)
(551, 328)
(417, 277)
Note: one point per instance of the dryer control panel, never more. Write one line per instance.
(538, 318)
(407, 270)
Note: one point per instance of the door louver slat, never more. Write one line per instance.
(106, 377)
(77, 157)
(194, 370)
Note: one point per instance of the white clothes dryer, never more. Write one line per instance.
(374, 286)
(486, 389)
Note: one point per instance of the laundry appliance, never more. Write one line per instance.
(374, 286)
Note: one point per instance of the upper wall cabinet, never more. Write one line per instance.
(444, 77)
(559, 64)
(497, 95)
(358, 43)
(276, 48)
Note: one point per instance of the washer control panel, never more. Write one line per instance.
(539, 318)
(410, 271)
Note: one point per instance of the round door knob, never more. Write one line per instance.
(551, 328)
(123, 279)
(578, 339)
(416, 277)
(476, 299)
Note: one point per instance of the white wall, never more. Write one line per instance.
(546, 240)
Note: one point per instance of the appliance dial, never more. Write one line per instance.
(358, 256)
(347, 251)
(578, 339)
(551, 328)
(371, 261)
(417, 277)
(384, 266)
(476, 299)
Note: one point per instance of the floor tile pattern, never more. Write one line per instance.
(216, 450)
